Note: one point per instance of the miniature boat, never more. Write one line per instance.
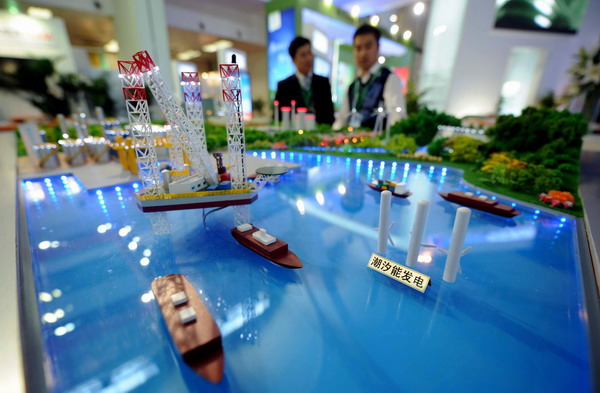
(398, 189)
(480, 202)
(275, 251)
(192, 328)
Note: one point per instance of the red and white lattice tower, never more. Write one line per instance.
(141, 129)
(183, 132)
(232, 96)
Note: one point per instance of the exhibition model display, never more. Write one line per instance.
(247, 325)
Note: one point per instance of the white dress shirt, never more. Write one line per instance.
(392, 97)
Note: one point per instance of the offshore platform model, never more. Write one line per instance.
(193, 181)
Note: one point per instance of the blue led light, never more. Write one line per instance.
(537, 212)
(562, 219)
(99, 192)
(513, 204)
(117, 188)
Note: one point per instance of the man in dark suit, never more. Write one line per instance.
(307, 89)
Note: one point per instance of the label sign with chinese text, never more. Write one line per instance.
(401, 273)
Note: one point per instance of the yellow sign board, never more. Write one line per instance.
(398, 272)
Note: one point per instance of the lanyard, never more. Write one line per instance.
(306, 95)
(360, 90)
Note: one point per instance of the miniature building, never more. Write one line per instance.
(263, 237)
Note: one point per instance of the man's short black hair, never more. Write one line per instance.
(296, 44)
(367, 29)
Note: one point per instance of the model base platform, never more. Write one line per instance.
(195, 200)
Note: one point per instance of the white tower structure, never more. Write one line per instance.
(232, 96)
(193, 143)
(192, 95)
(136, 102)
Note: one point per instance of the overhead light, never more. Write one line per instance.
(542, 21)
(111, 46)
(393, 18)
(419, 8)
(355, 11)
(374, 20)
(439, 30)
(381, 59)
(217, 45)
(188, 54)
(407, 34)
(394, 29)
(39, 12)
(327, 2)
(205, 75)
(510, 89)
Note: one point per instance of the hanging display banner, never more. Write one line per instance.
(398, 272)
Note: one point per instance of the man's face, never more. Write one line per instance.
(366, 51)
(304, 59)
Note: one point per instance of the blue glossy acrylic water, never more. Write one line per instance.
(514, 320)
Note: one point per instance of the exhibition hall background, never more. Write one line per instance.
(451, 53)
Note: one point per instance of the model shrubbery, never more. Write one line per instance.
(423, 125)
(465, 149)
(544, 137)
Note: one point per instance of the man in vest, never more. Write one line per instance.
(376, 86)
(305, 88)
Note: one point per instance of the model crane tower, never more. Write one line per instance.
(184, 134)
(232, 96)
(136, 102)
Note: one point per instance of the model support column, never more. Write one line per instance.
(459, 232)
(384, 219)
(416, 235)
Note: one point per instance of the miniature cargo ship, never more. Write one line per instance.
(480, 202)
(193, 330)
(265, 245)
(398, 189)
